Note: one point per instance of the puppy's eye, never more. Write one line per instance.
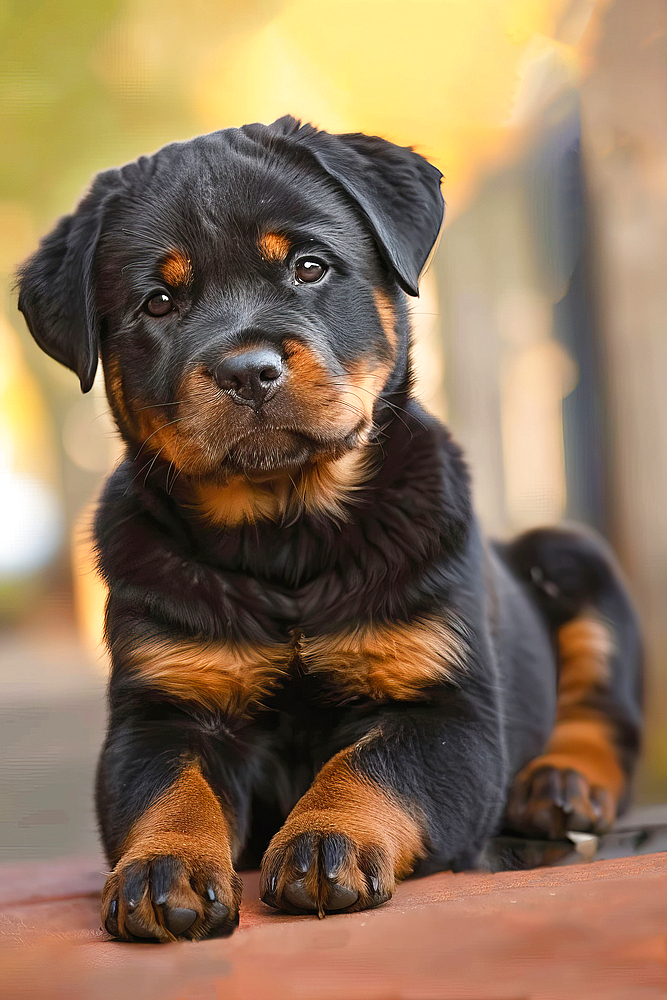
(159, 305)
(307, 269)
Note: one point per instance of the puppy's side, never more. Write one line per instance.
(316, 657)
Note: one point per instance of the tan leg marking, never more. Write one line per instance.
(585, 647)
(576, 784)
(345, 844)
(390, 661)
(188, 808)
(175, 868)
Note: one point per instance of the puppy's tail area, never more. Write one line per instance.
(575, 580)
(570, 571)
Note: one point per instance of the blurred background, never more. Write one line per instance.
(540, 331)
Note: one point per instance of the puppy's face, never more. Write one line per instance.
(244, 290)
(248, 323)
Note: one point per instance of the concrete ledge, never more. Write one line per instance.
(585, 931)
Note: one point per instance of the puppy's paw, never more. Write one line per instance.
(171, 891)
(323, 871)
(548, 801)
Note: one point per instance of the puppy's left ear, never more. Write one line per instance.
(397, 190)
(56, 285)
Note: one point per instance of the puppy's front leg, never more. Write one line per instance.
(344, 845)
(173, 875)
(173, 782)
(416, 787)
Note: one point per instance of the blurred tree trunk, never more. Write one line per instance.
(624, 137)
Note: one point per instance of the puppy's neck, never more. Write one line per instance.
(324, 488)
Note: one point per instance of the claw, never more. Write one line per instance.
(135, 925)
(340, 897)
(297, 894)
(111, 922)
(179, 919)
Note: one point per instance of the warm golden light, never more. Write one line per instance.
(445, 75)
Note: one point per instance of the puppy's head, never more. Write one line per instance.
(244, 291)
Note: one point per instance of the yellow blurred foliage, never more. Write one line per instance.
(26, 440)
(443, 74)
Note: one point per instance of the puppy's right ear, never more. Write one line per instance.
(57, 284)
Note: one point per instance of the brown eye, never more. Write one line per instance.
(307, 269)
(159, 305)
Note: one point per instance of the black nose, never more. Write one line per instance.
(251, 376)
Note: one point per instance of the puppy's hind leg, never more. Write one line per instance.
(581, 780)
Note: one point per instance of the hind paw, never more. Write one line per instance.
(547, 801)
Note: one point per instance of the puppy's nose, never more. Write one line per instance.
(252, 376)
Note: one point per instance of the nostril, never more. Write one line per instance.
(270, 373)
(251, 376)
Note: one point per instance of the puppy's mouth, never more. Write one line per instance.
(271, 447)
(310, 415)
(304, 421)
(269, 433)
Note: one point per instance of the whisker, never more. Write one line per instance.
(394, 406)
(178, 470)
(135, 477)
(150, 467)
(397, 409)
(156, 406)
(160, 428)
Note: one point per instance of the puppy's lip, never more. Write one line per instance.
(309, 434)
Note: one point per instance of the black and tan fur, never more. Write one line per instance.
(317, 660)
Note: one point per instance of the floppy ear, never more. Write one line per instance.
(397, 190)
(56, 285)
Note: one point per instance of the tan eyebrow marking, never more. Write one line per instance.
(274, 247)
(176, 268)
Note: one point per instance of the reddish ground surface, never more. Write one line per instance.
(590, 930)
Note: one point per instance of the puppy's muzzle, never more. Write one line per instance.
(251, 377)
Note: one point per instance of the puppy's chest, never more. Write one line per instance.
(384, 662)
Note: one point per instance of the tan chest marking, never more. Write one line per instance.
(320, 487)
(215, 676)
(389, 661)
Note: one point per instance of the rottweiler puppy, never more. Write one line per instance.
(317, 659)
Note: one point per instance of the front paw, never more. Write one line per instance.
(171, 891)
(323, 870)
